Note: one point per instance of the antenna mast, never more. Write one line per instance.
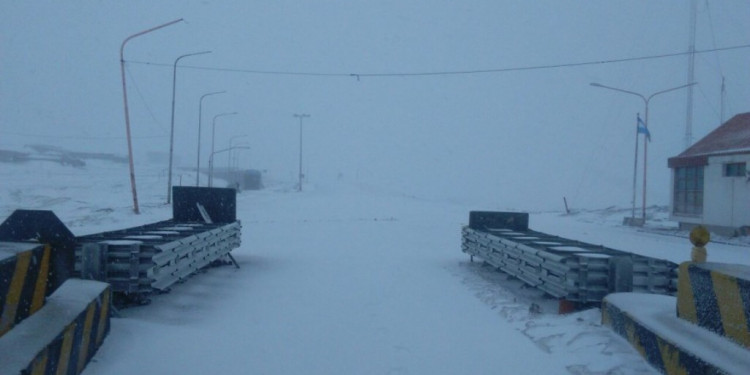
(690, 77)
(723, 97)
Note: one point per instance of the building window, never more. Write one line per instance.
(734, 170)
(688, 190)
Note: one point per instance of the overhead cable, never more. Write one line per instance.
(443, 73)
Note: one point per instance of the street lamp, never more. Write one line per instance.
(236, 158)
(125, 101)
(171, 133)
(200, 120)
(231, 140)
(646, 100)
(213, 138)
(211, 159)
(300, 117)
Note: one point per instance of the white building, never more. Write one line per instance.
(710, 183)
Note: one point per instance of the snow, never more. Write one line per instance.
(346, 278)
(332, 281)
(33, 334)
(10, 249)
(736, 270)
(362, 271)
(656, 313)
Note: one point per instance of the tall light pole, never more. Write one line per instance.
(213, 139)
(300, 117)
(236, 157)
(125, 101)
(231, 140)
(200, 120)
(171, 133)
(646, 100)
(211, 158)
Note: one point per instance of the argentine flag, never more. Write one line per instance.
(642, 129)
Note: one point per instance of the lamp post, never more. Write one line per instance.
(171, 132)
(213, 138)
(646, 101)
(236, 158)
(300, 117)
(125, 102)
(200, 120)
(211, 158)
(231, 140)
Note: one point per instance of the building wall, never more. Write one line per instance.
(729, 203)
(726, 200)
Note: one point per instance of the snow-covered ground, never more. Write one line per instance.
(341, 279)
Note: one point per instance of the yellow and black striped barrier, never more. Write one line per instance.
(38, 227)
(62, 337)
(664, 355)
(24, 276)
(716, 296)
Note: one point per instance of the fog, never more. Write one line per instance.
(495, 128)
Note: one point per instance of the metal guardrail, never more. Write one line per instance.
(146, 259)
(563, 268)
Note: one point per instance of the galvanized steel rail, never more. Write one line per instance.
(566, 269)
(146, 259)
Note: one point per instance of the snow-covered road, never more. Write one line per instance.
(339, 281)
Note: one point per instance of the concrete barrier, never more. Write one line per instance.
(716, 297)
(708, 334)
(24, 270)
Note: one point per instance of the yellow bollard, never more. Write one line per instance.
(699, 237)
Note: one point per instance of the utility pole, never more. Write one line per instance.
(300, 117)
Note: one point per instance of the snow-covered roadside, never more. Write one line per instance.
(90, 199)
(659, 238)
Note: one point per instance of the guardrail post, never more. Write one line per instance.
(621, 274)
(94, 262)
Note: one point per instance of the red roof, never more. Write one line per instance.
(732, 137)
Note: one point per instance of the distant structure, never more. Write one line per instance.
(250, 179)
(9, 156)
(710, 183)
(241, 179)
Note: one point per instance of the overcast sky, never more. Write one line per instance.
(518, 138)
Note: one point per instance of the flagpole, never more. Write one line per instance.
(645, 125)
(635, 166)
(645, 158)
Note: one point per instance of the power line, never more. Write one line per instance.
(143, 99)
(358, 75)
(447, 72)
